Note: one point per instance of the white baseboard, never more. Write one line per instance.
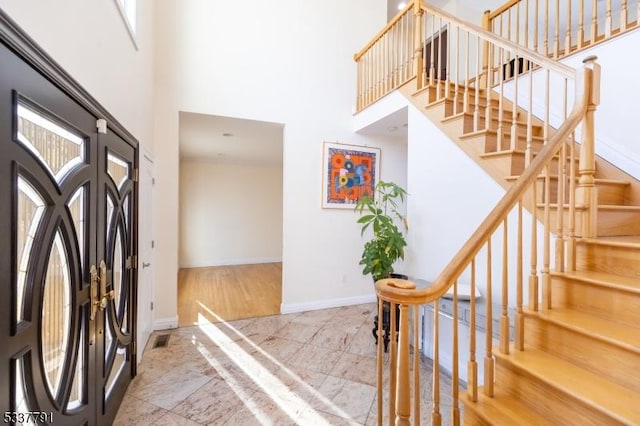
(290, 308)
(165, 323)
(229, 262)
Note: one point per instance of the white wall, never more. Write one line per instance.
(290, 62)
(90, 41)
(229, 214)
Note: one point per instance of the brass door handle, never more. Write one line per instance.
(99, 295)
(95, 303)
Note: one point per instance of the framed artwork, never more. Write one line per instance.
(349, 172)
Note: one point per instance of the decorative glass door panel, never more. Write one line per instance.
(117, 184)
(67, 210)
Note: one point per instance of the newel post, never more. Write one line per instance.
(418, 60)
(587, 193)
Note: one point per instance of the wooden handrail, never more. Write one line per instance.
(503, 8)
(384, 30)
(501, 42)
(387, 290)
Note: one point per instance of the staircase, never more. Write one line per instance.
(618, 192)
(574, 355)
(578, 363)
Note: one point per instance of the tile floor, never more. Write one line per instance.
(312, 368)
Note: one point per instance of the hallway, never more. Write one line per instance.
(230, 292)
(314, 368)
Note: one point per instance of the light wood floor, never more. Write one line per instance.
(217, 293)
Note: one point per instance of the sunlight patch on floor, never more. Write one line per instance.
(260, 375)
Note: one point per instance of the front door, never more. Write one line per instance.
(67, 255)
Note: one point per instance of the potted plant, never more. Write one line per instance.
(380, 213)
(380, 253)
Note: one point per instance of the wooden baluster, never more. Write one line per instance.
(526, 25)
(533, 273)
(472, 365)
(374, 76)
(416, 365)
(448, 66)
(386, 87)
(546, 300)
(567, 38)
(587, 193)
(546, 260)
(455, 377)
(440, 76)
(488, 357)
(536, 36)
(623, 16)
(403, 397)
(358, 84)
(556, 32)
(380, 363)
(500, 131)
(456, 59)
(509, 24)
(504, 318)
(432, 65)
(417, 43)
(436, 417)
(465, 100)
(488, 91)
(581, 25)
(486, 67)
(514, 110)
(425, 71)
(546, 28)
(594, 21)
(519, 319)
(571, 241)
(517, 28)
(528, 153)
(393, 364)
(476, 103)
(560, 190)
(608, 23)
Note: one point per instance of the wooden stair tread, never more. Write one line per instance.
(629, 241)
(618, 282)
(504, 409)
(601, 207)
(614, 400)
(621, 335)
(494, 132)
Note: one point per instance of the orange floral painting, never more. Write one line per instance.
(350, 172)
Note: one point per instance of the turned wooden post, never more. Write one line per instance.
(587, 193)
(403, 397)
(418, 60)
(486, 24)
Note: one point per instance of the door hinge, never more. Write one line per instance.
(153, 181)
(152, 306)
(132, 262)
(136, 175)
(153, 244)
(101, 125)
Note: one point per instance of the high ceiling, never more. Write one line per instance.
(228, 140)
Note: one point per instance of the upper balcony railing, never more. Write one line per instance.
(557, 28)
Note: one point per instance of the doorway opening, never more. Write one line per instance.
(230, 245)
